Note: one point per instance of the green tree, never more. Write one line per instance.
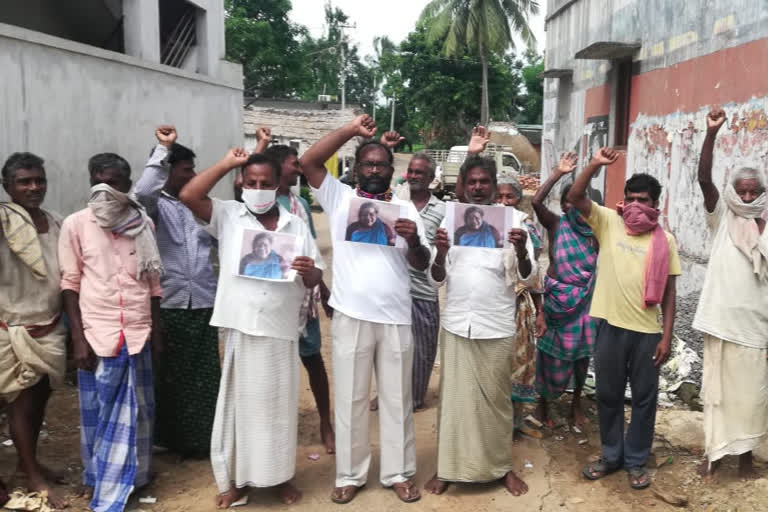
(322, 64)
(261, 37)
(438, 103)
(480, 27)
(531, 103)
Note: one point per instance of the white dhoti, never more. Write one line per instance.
(735, 396)
(25, 360)
(255, 429)
(358, 346)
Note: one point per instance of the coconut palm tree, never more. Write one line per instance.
(479, 26)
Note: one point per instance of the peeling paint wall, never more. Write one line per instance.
(668, 148)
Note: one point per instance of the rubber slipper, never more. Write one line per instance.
(600, 469)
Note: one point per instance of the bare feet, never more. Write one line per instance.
(47, 473)
(374, 405)
(226, 499)
(328, 437)
(84, 491)
(578, 417)
(39, 484)
(706, 469)
(435, 486)
(514, 485)
(288, 493)
(746, 468)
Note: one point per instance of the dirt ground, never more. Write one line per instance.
(551, 467)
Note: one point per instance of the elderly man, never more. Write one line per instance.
(477, 350)
(425, 309)
(733, 312)
(187, 384)
(32, 336)
(568, 336)
(372, 318)
(110, 268)
(638, 265)
(255, 429)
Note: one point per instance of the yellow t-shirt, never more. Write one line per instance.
(618, 296)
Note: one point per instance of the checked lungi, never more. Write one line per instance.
(117, 410)
(425, 328)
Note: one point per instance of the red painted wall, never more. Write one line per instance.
(730, 75)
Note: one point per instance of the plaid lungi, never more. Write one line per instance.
(117, 410)
(553, 375)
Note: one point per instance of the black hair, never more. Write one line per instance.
(21, 160)
(472, 162)
(564, 193)
(179, 153)
(472, 209)
(261, 235)
(261, 159)
(280, 152)
(642, 182)
(368, 144)
(103, 161)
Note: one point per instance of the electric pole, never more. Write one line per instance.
(342, 56)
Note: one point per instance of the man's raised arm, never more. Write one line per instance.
(313, 161)
(715, 120)
(577, 196)
(195, 193)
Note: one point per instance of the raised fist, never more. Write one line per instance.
(264, 133)
(606, 156)
(236, 158)
(715, 120)
(364, 126)
(391, 139)
(166, 135)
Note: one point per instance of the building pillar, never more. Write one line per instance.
(141, 29)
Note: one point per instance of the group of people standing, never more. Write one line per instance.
(131, 279)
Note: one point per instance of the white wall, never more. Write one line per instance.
(66, 102)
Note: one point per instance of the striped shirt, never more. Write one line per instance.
(189, 281)
(431, 215)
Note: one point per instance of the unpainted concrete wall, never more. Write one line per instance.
(67, 102)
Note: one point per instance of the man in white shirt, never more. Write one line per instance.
(372, 318)
(476, 415)
(255, 428)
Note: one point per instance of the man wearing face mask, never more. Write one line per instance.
(110, 278)
(638, 265)
(372, 317)
(187, 385)
(255, 428)
(733, 312)
(477, 344)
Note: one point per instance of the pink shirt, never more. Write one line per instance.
(101, 267)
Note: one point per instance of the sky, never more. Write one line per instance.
(393, 18)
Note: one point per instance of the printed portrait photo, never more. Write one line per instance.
(476, 225)
(372, 222)
(267, 255)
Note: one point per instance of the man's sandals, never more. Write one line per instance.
(638, 477)
(406, 491)
(599, 469)
(343, 495)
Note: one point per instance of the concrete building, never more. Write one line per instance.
(642, 76)
(93, 76)
(298, 123)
